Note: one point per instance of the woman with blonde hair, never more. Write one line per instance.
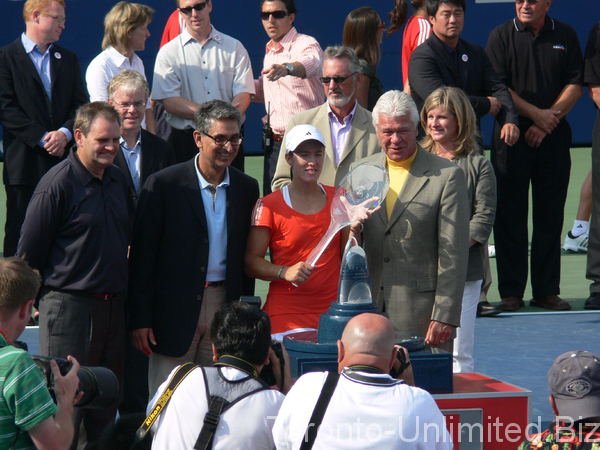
(363, 32)
(451, 132)
(125, 32)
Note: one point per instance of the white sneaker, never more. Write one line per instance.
(576, 244)
(492, 250)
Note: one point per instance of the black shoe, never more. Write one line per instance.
(593, 302)
(484, 309)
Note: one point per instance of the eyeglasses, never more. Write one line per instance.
(531, 2)
(276, 14)
(336, 80)
(61, 19)
(197, 7)
(221, 141)
(127, 105)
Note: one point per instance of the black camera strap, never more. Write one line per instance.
(319, 412)
(222, 394)
(182, 372)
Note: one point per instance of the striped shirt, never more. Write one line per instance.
(416, 32)
(25, 401)
(291, 95)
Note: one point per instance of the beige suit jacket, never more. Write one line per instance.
(361, 143)
(418, 259)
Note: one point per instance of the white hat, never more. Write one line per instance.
(300, 134)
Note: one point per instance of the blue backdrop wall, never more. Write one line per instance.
(323, 19)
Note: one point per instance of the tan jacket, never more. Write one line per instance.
(361, 143)
(418, 260)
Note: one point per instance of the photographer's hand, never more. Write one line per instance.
(407, 374)
(276, 365)
(65, 388)
(57, 432)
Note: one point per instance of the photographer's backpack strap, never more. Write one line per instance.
(222, 394)
(182, 372)
(319, 412)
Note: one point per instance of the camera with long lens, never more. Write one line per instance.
(99, 385)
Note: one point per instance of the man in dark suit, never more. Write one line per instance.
(142, 153)
(189, 240)
(40, 90)
(446, 60)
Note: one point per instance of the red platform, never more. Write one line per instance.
(485, 414)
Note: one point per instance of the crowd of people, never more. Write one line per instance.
(136, 213)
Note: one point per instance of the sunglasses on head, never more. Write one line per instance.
(276, 14)
(336, 80)
(198, 7)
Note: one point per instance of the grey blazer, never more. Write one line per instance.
(361, 142)
(418, 259)
(481, 191)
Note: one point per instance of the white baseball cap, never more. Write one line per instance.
(300, 134)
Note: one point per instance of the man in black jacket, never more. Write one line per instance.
(447, 60)
(189, 240)
(40, 90)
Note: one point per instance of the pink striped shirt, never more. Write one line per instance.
(291, 95)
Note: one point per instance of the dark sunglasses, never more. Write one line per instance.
(336, 80)
(531, 2)
(276, 14)
(198, 7)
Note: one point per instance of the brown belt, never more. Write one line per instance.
(214, 283)
(277, 137)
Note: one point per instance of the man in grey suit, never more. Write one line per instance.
(417, 244)
(345, 125)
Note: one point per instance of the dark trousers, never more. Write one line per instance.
(93, 331)
(17, 199)
(186, 148)
(547, 170)
(270, 164)
(593, 255)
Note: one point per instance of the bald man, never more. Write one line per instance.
(367, 405)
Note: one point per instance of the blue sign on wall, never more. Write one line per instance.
(322, 19)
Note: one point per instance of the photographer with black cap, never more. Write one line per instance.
(228, 405)
(25, 397)
(574, 383)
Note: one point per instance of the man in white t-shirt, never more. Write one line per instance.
(241, 336)
(368, 408)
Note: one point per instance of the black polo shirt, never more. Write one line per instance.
(538, 67)
(76, 229)
(592, 57)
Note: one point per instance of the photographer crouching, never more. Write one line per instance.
(25, 397)
(228, 405)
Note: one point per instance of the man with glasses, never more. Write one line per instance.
(142, 153)
(187, 251)
(289, 82)
(201, 64)
(346, 126)
(40, 90)
(540, 60)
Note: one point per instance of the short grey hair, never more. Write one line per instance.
(129, 81)
(340, 52)
(395, 104)
(215, 110)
